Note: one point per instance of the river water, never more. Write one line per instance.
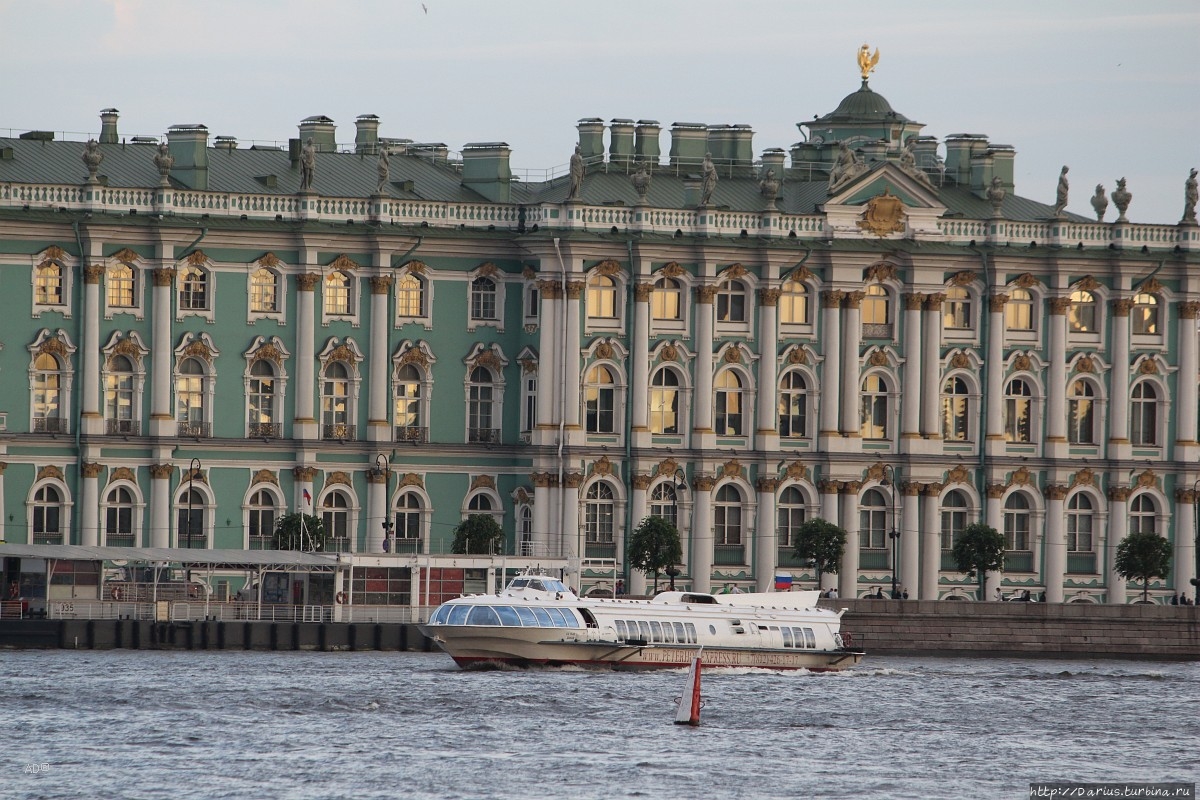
(129, 724)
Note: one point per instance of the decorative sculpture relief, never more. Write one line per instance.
(1060, 199)
(308, 165)
(1100, 202)
(996, 194)
(575, 170)
(92, 158)
(708, 180)
(1190, 195)
(1121, 198)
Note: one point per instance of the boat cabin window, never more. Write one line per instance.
(644, 630)
(543, 618)
(508, 616)
(589, 621)
(527, 617)
(698, 598)
(622, 634)
(787, 636)
(810, 637)
(519, 583)
(439, 616)
(656, 630)
(681, 633)
(457, 615)
(483, 615)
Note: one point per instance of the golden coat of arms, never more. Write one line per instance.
(884, 214)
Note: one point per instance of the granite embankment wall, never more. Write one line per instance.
(1071, 630)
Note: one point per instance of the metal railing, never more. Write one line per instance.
(195, 430)
(50, 425)
(265, 430)
(125, 427)
(232, 611)
(339, 432)
(411, 433)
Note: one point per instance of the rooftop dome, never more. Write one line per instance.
(864, 106)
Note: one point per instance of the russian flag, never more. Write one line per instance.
(783, 583)
(307, 497)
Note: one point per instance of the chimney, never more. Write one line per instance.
(720, 144)
(322, 130)
(645, 146)
(620, 142)
(591, 139)
(773, 158)
(688, 142)
(742, 146)
(1003, 164)
(485, 170)
(925, 151)
(225, 143)
(366, 139)
(959, 149)
(188, 145)
(108, 126)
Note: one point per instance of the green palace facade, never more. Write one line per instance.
(871, 326)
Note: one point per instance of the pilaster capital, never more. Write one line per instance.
(703, 483)
(854, 299)
(163, 276)
(1189, 310)
(996, 302)
(913, 301)
(910, 488)
(766, 484)
(932, 489)
(933, 302)
(642, 292)
(304, 474)
(1059, 306)
(832, 298)
(851, 487)
(541, 480)
(827, 486)
(307, 281)
(1121, 307)
(641, 481)
(1055, 491)
(1185, 496)
(93, 274)
(575, 290)
(996, 490)
(1118, 494)
(769, 297)
(160, 472)
(573, 480)
(91, 469)
(377, 475)
(706, 294)
(550, 289)
(381, 284)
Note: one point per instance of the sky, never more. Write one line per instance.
(1110, 89)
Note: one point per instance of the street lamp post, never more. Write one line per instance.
(193, 468)
(678, 480)
(389, 544)
(889, 473)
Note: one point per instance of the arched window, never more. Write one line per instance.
(731, 301)
(525, 531)
(190, 516)
(264, 291)
(261, 397)
(1081, 516)
(875, 411)
(409, 523)
(480, 407)
(664, 401)
(118, 518)
(1017, 517)
(791, 513)
(873, 521)
(1082, 317)
(956, 309)
(1143, 515)
(793, 303)
(1018, 411)
(335, 402)
(48, 285)
(954, 519)
(118, 396)
(47, 395)
(956, 410)
(193, 290)
(260, 520)
(599, 513)
(601, 297)
(729, 419)
(1145, 315)
(122, 289)
(665, 302)
(190, 411)
(728, 527)
(1018, 311)
(876, 313)
(479, 504)
(1143, 417)
(1081, 413)
(409, 419)
(483, 299)
(335, 519)
(47, 516)
(410, 296)
(793, 405)
(664, 502)
(337, 293)
(599, 399)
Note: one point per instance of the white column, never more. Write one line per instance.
(831, 367)
(931, 542)
(910, 402)
(549, 340)
(89, 521)
(639, 510)
(851, 369)
(766, 545)
(376, 510)
(1118, 390)
(570, 383)
(161, 418)
(829, 513)
(305, 423)
(702, 532)
(160, 505)
(1118, 528)
(702, 400)
(931, 369)
(768, 375)
(1184, 558)
(641, 358)
(848, 575)
(1055, 569)
(910, 538)
(1189, 376)
(541, 513)
(1056, 391)
(90, 413)
(380, 378)
(572, 527)
(995, 369)
(995, 518)
(303, 482)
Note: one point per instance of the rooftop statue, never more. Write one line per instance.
(164, 161)
(576, 174)
(641, 182)
(384, 168)
(1100, 202)
(308, 165)
(996, 194)
(92, 158)
(708, 181)
(1190, 196)
(1121, 197)
(866, 61)
(769, 186)
(908, 161)
(1060, 199)
(847, 167)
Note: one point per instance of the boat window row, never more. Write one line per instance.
(506, 616)
(539, 584)
(656, 631)
(797, 637)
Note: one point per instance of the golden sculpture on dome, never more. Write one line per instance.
(866, 61)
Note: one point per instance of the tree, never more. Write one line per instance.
(979, 549)
(654, 547)
(1144, 555)
(299, 532)
(822, 543)
(478, 534)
